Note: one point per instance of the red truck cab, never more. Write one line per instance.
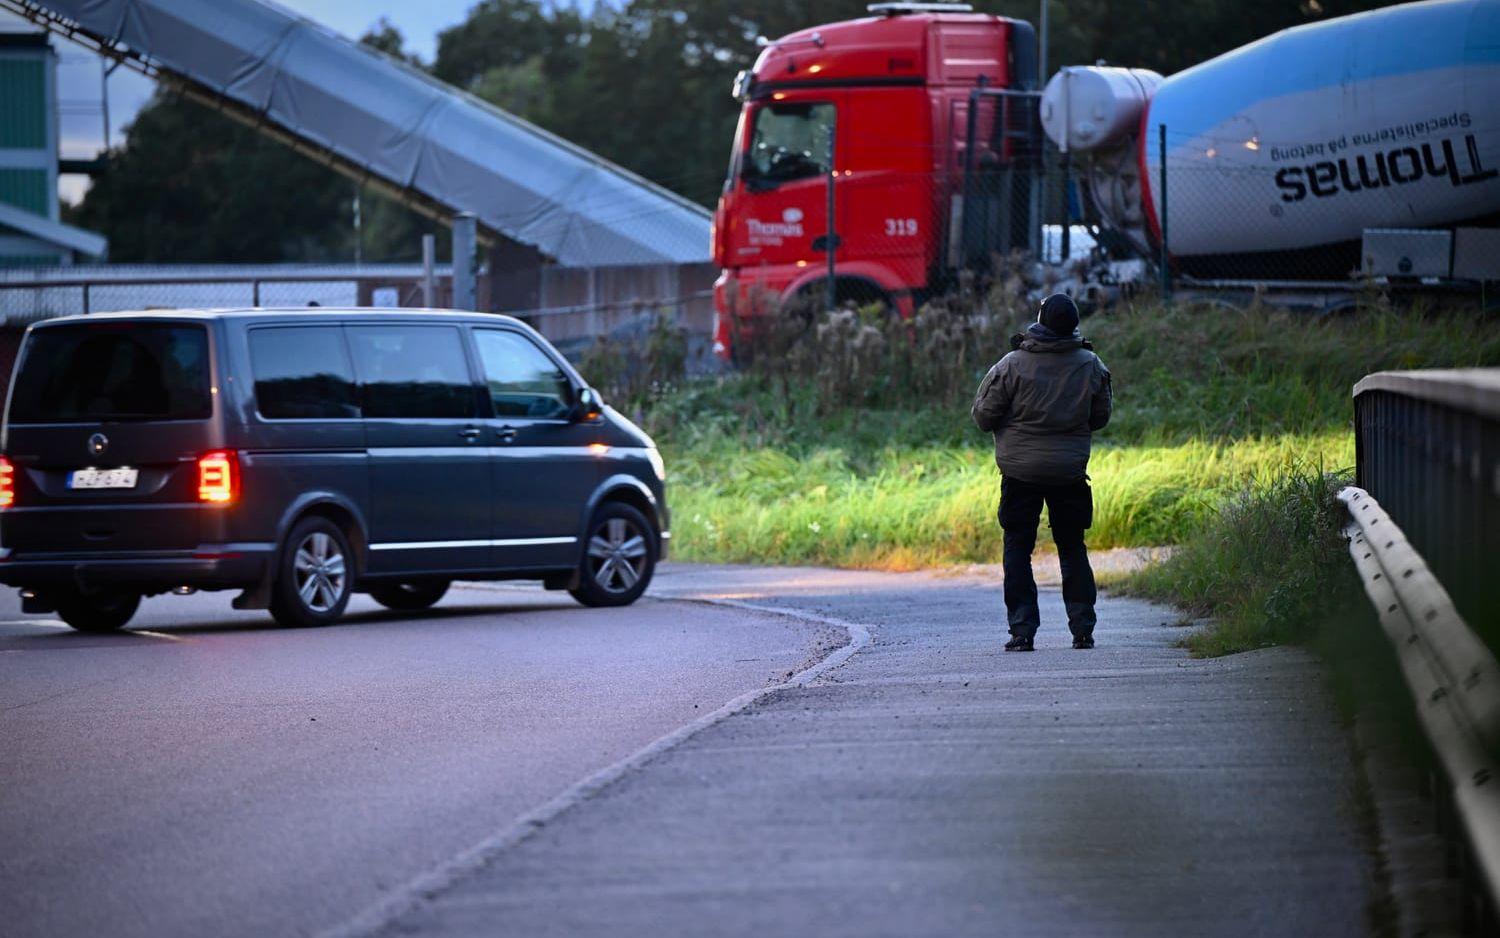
(892, 93)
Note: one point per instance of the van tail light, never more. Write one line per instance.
(7, 483)
(218, 477)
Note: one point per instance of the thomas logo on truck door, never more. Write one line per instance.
(774, 233)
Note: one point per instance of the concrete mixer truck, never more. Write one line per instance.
(1281, 155)
(884, 155)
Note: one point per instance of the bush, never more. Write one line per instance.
(633, 372)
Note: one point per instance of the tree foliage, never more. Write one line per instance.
(642, 82)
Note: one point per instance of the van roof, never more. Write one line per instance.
(279, 313)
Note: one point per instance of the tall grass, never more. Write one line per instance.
(908, 508)
(1271, 567)
(1180, 374)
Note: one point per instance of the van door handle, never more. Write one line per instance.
(506, 434)
(469, 433)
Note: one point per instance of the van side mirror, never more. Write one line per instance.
(589, 405)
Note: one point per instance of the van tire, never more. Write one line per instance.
(325, 571)
(409, 597)
(98, 612)
(618, 534)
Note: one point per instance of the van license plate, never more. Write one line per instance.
(102, 478)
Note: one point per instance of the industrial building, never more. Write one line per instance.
(32, 233)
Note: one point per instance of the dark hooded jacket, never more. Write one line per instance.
(1043, 401)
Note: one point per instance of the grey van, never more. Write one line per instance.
(300, 456)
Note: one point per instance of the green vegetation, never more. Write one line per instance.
(818, 454)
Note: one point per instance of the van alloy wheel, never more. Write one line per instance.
(617, 555)
(320, 572)
(315, 574)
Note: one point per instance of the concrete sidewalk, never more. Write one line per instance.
(934, 785)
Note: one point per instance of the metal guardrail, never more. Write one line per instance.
(1429, 450)
(1424, 533)
(1453, 676)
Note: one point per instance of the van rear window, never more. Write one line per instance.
(113, 371)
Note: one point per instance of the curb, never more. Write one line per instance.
(409, 897)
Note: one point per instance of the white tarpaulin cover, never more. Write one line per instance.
(405, 127)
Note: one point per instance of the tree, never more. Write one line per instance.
(192, 186)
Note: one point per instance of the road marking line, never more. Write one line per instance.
(59, 624)
(44, 623)
(414, 894)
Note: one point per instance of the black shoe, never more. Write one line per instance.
(1019, 643)
(1086, 642)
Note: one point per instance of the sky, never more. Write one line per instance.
(79, 72)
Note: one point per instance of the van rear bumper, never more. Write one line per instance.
(210, 566)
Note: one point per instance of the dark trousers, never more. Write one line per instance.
(1070, 510)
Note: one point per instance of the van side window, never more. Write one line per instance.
(302, 372)
(412, 371)
(522, 380)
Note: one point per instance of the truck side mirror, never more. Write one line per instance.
(589, 405)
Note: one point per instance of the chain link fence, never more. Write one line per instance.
(28, 296)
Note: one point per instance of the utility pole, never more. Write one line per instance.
(104, 71)
(832, 239)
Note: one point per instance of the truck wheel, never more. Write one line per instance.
(619, 557)
(313, 576)
(409, 597)
(98, 612)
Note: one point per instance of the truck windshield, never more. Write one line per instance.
(114, 371)
(789, 141)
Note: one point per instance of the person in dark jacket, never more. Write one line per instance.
(1043, 401)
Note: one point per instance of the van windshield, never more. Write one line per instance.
(112, 371)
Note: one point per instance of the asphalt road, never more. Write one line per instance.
(209, 773)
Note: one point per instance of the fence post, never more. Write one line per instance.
(1166, 263)
(464, 235)
(831, 292)
(429, 252)
(85, 299)
(255, 293)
